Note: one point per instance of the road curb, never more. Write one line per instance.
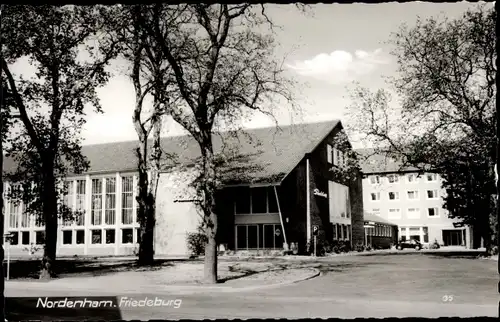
(48, 286)
(314, 273)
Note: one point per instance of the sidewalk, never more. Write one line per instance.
(164, 281)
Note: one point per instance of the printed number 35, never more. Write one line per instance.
(447, 298)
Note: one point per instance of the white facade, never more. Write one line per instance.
(415, 204)
(108, 224)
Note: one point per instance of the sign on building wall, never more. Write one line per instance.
(320, 193)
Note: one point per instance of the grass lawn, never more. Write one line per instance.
(29, 269)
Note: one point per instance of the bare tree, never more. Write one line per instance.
(224, 69)
(152, 78)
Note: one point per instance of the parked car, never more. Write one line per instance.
(412, 243)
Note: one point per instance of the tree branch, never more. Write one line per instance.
(22, 109)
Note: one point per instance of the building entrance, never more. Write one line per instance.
(453, 238)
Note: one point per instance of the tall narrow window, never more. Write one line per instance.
(96, 202)
(127, 200)
(80, 202)
(432, 194)
(15, 206)
(15, 210)
(329, 153)
(25, 223)
(402, 234)
(242, 200)
(259, 200)
(374, 179)
(432, 212)
(426, 234)
(110, 201)
(68, 200)
(241, 237)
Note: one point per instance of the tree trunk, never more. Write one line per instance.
(148, 186)
(146, 249)
(208, 190)
(146, 206)
(50, 215)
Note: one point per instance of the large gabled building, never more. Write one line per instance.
(277, 188)
(411, 199)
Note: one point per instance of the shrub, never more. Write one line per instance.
(32, 249)
(435, 245)
(340, 246)
(196, 243)
(326, 248)
(493, 250)
(359, 247)
(294, 248)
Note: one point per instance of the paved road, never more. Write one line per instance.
(400, 286)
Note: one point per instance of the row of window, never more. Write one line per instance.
(77, 237)
(379, 231)
(410, 195)
(24, 237)
(103, 200)
(261, 236)
(341, 232)
(410, 178)
(411, 213)
(104, 205)
(258, 200)
(417, 233)
(335, 156)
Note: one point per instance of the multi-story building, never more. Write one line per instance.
(411, 199)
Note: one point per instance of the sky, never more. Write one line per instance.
(327, 48)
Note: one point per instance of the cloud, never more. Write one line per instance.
(340, 66)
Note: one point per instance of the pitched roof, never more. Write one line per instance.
(263, 154)
(377, 219)
(373, 162)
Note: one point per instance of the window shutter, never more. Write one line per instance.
(329, 153)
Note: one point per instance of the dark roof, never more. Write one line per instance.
(264, 154)
(377, 219)
(373, 162)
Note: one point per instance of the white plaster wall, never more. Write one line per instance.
(174, 220)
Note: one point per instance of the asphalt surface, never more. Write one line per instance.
(353, 288)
